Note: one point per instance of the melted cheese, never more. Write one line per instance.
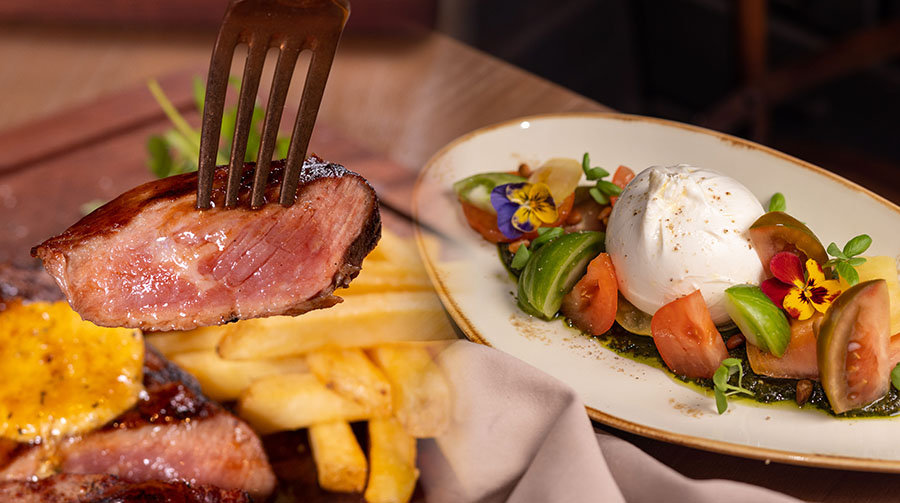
(60, 375)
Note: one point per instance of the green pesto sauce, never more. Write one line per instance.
(766, 390)
(506, 258)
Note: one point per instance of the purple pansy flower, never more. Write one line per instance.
(522, 207)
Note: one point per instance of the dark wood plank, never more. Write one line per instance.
(90, 124)
(55, 166)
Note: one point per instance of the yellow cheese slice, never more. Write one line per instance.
(60, 375)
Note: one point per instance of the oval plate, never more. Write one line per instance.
(478, 293)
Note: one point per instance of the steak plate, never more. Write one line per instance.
(174, 433)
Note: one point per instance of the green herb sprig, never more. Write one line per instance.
(846, 259)
(524, 253)
(545, 235)
(521, 258)
(777, 203)
(178, 149)
(723, 389)
(603, 190)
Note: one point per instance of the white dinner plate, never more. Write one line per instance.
(631, 396)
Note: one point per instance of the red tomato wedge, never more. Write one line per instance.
(563, 210)
(686, 337)
(621, 178)
(799, 360)
(485, 222)
(593, 301)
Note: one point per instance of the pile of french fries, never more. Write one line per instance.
(370, 358)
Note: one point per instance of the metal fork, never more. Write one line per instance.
(293, 26)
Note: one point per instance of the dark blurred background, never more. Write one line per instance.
(819, 79)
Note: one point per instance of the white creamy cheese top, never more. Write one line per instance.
(681, 228)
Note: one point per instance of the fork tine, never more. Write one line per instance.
(281, 81)
(214, 104)
(259, 45)
(313, 89)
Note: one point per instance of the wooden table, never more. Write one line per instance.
(395, 100)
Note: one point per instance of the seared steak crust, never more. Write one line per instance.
(173, 396)
(149, 260)
(70, 488)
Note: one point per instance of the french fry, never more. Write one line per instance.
(434, 348)
(361, 320)
(172, 343)
(340, 462)
(293, 401)
(421, 394)
(392, 459)
(396, 250)
(383, 276)
(317, 372)
(225, 380)
(351, 374)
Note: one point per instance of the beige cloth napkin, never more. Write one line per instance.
(520, 435)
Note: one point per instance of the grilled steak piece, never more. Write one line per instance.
(174, 433)
(69, 488)
(149, 260)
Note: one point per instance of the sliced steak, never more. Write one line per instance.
(149, 260)
(69, 488)
(174, 433)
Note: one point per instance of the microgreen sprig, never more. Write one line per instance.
(91, 205)
(521, 258)
(603, 190)
(178, 149)
(777, 203)
(524, 253)
(846, 259)
(723, 389)
(545, 235)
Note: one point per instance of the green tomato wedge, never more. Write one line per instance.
(777, 231)
(763, 324)
(476, 189)
(522, 302)
(554, 269)
(852, 347)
